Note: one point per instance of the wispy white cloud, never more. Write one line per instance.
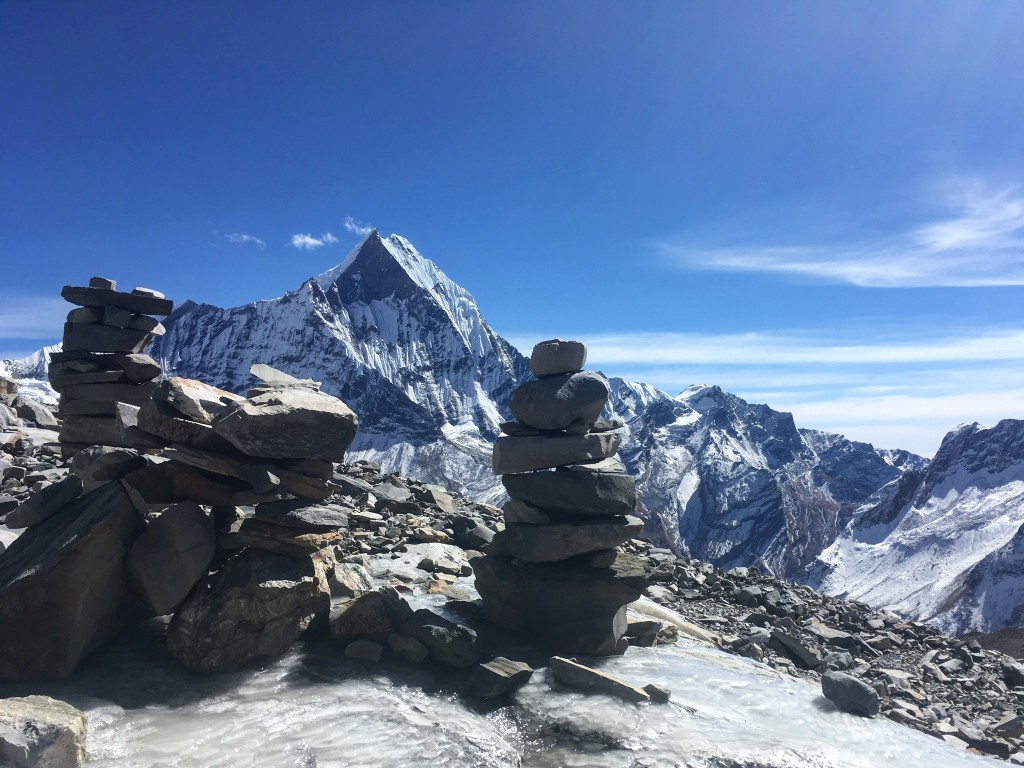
(239, 238)
(309, 243)
(979, 242)
(32, 318)
(357, 227)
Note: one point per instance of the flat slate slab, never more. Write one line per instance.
(104, 297)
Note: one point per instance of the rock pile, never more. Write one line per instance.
(102, 361)
(554, 573)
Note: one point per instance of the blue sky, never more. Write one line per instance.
(815, 205)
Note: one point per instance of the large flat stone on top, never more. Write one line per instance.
(568, 607)
(555, 356)
(63, 585)
(296, 423)
(551, 543)
(104, 297)
(103, 338)
(575, 491)
(40, 732)
(172, 555)
(572, 401)
(522, 454)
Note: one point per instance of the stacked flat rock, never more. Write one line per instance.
(282, 440)
(555, 573)
(103, 361)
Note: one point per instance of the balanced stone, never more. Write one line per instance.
(103, 282)
(521, 454)
(85, 315)
(550, 358)
(137, 367)
(571, 401)
(193, 399)
(289, 423)
(574, 491)
(550, 543)
(102, 338)
(105, 297)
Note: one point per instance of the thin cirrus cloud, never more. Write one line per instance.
(240, 238)
(357, 227)
(980, 242)
(309, 243)
(32, 317)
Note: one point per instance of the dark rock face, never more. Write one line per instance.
(574, 491)
(47, 622)
(584, 613)
(850, 694)
(571, 401)
(253, 608)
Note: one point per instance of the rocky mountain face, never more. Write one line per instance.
(942, 543)
(408, 349)
(388, 333)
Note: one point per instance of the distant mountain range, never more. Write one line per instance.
(725, 480)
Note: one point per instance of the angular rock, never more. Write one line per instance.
(251, 610)
(366, 617)
(349, 580)
(102, 338)
(45, 503)
(571, 402)
(134, 394)
(522, 454)
(451, 643)
(293, 542)
(65, 380)
(516, 511)
(171, 556)
(104, 297)
(259, 477)
(33, 412)
(289, 423)
(351, 486)
(40, 732)
(85, 315)
(137, 367)
(796, 650)
(569, 607)
(90, 430)
(195, 400)
(299, 513)
(8, 418)
(550, 543)
(148, 324)
(116, 317)
(100, 464)
(103, 282)
(48, 622)
(581, 677)
(364, 650)
(151, 487)
(498, 677)
(160, 419)
(850, 694)
(555, 356)
(658, 694)
(408, 648)
(574, 491)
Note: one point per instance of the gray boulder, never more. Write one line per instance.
(575, 675)
(289, 423)
(555, 356)
(568, 607)
(33, 412)
(63, 586)
(850, 694)
(372, 616)
(575, 491)
(451, 643)
(550, 543)
(172, 555)
(99, 464)
(251, 610)
(498, 677)
(40, 732)
(45, 503)
(349, 580)
(522, 454)
(301, 513)
(572, 401)
(193, 399)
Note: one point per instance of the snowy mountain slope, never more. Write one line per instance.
(942, 544)
(738, 484)
(30, 373)
(391, 335)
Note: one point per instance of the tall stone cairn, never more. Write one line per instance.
(554, 574)
(103, 362)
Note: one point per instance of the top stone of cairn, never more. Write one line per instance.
(554, 357)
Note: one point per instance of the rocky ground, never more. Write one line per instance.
(951, 688)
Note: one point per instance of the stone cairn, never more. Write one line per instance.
(102, 361)
(554, 573)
